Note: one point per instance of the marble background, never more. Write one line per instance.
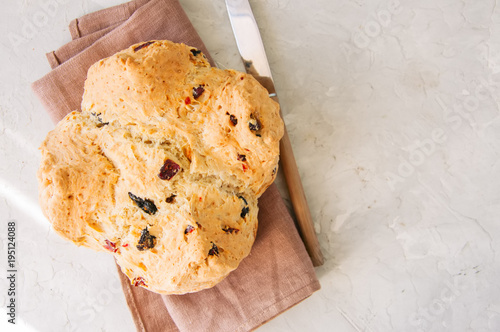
(392, 109)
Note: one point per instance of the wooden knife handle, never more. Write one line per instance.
(299, 202)
(294, 184)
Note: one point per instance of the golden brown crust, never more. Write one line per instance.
(162, 130)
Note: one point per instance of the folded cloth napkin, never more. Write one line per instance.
(275, 276)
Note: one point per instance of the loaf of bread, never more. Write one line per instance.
(163, 166)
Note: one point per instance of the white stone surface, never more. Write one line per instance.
(392, 108)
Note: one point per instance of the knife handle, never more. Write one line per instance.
(299, 202)
(295, 189)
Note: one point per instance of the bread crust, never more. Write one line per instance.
(163, 166)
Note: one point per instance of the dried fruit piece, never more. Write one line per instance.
(242, 157)
(230, 230)
(187, 101)
(125, 245)
(111, 246)
(198, 91)
(195, 51)
(137, 48)
(244, 200)
(189, 229)
(146, 241)
(139, 281)
(233, 119)
(254, 124)
(214, 250)
(171, 199)
(244, 211)
(99, 119)
(168, 170)
(146, 205)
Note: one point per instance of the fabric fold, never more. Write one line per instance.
(67, 51)
(277, 274)
(104, 18)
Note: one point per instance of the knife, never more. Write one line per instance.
(253, 55)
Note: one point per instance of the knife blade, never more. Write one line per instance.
(253, 55)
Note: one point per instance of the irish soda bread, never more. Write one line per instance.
(163, 166)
